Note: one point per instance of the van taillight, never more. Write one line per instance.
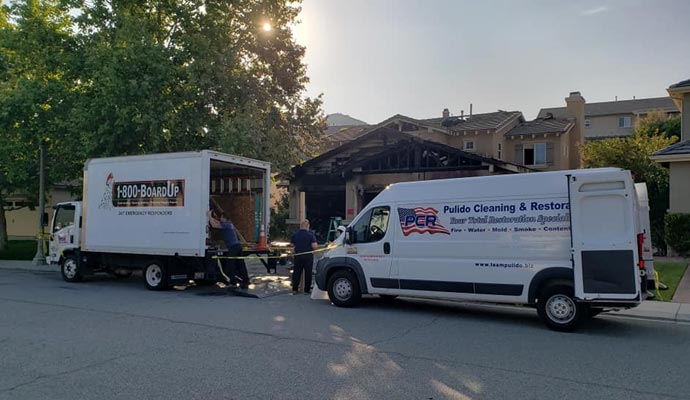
(640, 247)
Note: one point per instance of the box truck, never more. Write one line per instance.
(568, 243)
(149, 213)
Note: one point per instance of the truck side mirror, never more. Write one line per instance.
(44, 219)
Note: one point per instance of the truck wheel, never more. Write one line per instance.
(70, 269)
(343, 289)
(559, 310)
(155, 276)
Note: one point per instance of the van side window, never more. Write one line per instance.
(372, 226)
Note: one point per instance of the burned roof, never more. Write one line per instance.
(344, 133)
(616, 107)
(541, 126)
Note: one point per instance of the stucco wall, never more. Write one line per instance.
(23, 223)
(560, 160)
(607, 125)
(679, 181)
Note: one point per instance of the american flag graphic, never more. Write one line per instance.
(420, 220)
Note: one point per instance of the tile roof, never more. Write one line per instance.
(685, 83)
(678, 148)
(617, 107)
(492, 120)
(541, 125)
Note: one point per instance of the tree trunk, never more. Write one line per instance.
(3, 225)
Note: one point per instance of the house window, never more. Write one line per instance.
(624, 122)
(588, 123)
(500, 151)
(468, 145)
(534, 154)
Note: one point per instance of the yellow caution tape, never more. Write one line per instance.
(279, 256)
(656, 284)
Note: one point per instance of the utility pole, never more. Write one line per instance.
(39, 258)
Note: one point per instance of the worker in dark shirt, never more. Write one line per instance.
(234, 268)
(304, 242)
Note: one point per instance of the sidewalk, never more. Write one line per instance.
(678, 311)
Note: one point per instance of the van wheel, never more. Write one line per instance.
(343, 289)
(71, 272)
(155, 276)
(559, 310)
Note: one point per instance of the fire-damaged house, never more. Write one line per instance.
(340, 182)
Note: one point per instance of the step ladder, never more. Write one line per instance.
(333, 229)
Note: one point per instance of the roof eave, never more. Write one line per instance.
(677, 93)
(663, 158)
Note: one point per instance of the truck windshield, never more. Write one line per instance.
(64, 217)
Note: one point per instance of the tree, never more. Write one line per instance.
(658, 123)
(185, 75)
(117, 77)
(35, 82)
(633, 154)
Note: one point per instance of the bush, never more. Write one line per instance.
(678, 232)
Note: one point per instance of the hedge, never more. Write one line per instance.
(678, 232)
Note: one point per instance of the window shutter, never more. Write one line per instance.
(518, 155)
(549, 154)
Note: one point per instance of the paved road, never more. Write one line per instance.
(109, 339)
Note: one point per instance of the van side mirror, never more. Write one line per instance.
(350, 236)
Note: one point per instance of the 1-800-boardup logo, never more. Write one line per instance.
(151, 193)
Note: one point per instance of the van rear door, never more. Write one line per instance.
(604, 240)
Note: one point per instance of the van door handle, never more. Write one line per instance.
(386, 248)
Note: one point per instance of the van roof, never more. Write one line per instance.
(496, 186)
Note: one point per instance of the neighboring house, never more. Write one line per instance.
(612, 119)
(677, 157)
(22, 222)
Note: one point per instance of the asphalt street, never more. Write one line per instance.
(112, 339)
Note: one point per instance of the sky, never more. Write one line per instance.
(372, 59)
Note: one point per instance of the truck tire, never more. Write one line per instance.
(558, 309)
(343, 288)
(155, 276)
(71, 272)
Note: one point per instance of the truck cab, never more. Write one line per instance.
(65, 230)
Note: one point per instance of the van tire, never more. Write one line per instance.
(558, 309)
(70, 269)
(343, 288)
(155, 276)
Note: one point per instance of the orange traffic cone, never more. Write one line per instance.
(262, 245)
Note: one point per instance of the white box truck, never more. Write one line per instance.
(567, 242)
(149, 213)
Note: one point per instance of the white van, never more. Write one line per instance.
(566, 242)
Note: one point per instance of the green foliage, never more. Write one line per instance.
(19, 250)
(279, 216)
(96, 78)
(659, 124)
(633, 154)
(678, 232)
